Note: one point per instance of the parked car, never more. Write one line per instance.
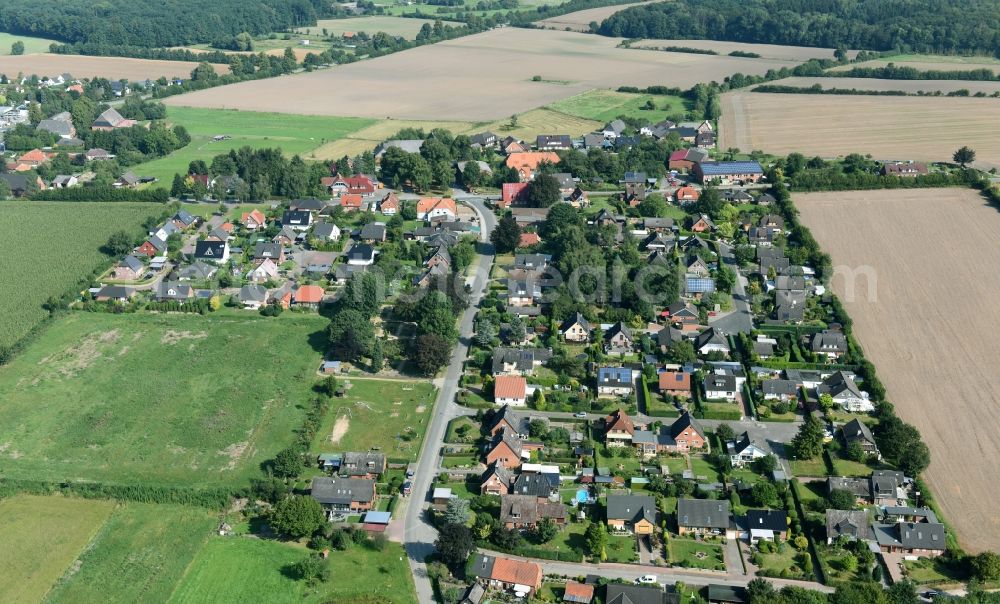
(646, 580)
(580, 415)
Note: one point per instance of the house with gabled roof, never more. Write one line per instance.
(790, 305)
(631, 513)
(856, 431)
(111, 120)
(522, 578)
(615, 381)
(496, 480)
(720, 387)
(618, 429)
(167, 291)
(510, 390)
(518, 361)
(711, 340)
(429, 208)
(526, 164)
(326, 231)
(743, 450)
(846, 393)
(674, 383)
(702, 224)
(703, 516)
(619, 339)
(297, 219)
(526, 511)
(853, 524)
(831, 343)
(338, 495)
(197, 271)
(253, 296)
(769, 525)
(368, 464)
(507, 449)
(729, 172)
(506, 418)
(212, 251)
(151, 247)
(920, 539)
(575, 329)
(129, 268)
(115, 293)
(253, 220)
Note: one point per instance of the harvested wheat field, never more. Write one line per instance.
(930, 328)
(929, 63)
(795, 54)
(113, 68)
(394, 26)
(581, 19)
(919, 128)
(910, 86)
(482, 77)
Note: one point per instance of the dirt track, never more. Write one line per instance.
(931, 330)
(888, 127)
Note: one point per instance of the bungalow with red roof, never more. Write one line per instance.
(524, 579)
(308, 296)
(510, 390)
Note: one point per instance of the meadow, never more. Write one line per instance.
(394, 26)
(139, 555)
(42, 536)
(32, 44)
(924, 313)
(157, 399)
(252, 570)
(930, 62)
(294, 134)
(606, 105)
(113, 68)
(450, 81)
(74, 234)
(387, 415)
(884, 126)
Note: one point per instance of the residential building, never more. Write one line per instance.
(910, 169)
(744, 450)
(506, 418)
(703, 516)
(769, 525)
(711, 340)
(525, 511)
(618, 429)
(830, 342)
(361, 254)
(367, 464)
(253, 296)
(617, 593)
(129, 269)
(308, 296)
(115, 293)
(618, 339)
(297, 219)
(527, 163)
(524, 579)
(518, 361)
(253, 220)
(729, 172)
(856, 431)
(575, 329)
(853, 524)
(720, 387)
(496, 480)
(166, 291)
(338, 495)
(675, 383)
(510, 390)
(615, 381)
(845, 392)
(631, 513)
(435, 207)
(920, 539)
(212, 251)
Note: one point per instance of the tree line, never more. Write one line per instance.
(908, 25)
(155, 24)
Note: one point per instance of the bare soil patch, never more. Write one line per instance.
(912, 86)
(483, 77)
(113, 68)
(918, 128)
(340, 428)
(930, 328)
(580, 20)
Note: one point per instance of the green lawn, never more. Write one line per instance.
(157, 399)
(622, 549)
(42, 536)
(930, 571)
(294, 134)
(74, 234)
(772, 564)
(809, 467)
(701, 466)
(569, 539)
(471, 432)
(387, 415)
(31, 44)
(606, 105)
(139, 555)
(695, 554)
(234, 569)
(846, 467)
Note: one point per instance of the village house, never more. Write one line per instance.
(579, 593)
(542, 484)
(269, 251)
(575, 329)
(253, 220)
(212, 251)
(115, 293)
(684, 160)
(856, 431)
(363, 464)
(353, 185)
(779, 390)
(496, 480)
(129, 269)
(553, 142)
(920, 539)
(373, 232)
(845, 392)
(252, 297)
(326, 231)
(686, 194)
(435, 207)
(615, 381)
(166, 291)
(675, 383)
(618, 339)
(307, 205)
(702, 224)
(307, 296)
(338, 495)
(152, 247)
(790, 305)
(297, 219)
(616, 593)
(263, 270)
(743, 451)
(720, 387)
(389, 206)
(729, 172)
(510, 390)
(507, 418)
(703, 517)
(525, 511)
(111, 120)
(910, 169)
(831, 343)
(769, 525)
(631, 513)
(361, 254)
(351, 202)
(509, 450)
(197, 271)
(524, 579)
(527, 163)
(618, 429)
(853, 524)
(682, 436)
(518, 361)
(514, 193)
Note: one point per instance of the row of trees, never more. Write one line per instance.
(916, 25)
(261, 174)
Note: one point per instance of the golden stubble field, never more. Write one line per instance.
(113, 68)
(911, 86)
(918, 128)
(581, 19)
(930, 328)
(794, 54)
(483, 77)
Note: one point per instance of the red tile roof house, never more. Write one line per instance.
(527, 163)
(432, 207)
(686, 194)
(510, 390)
(389, 205)
(675, 383)
(308, 296)
(253, 220)
(523, 578)
(353, 185)
(618, 429)
(513, 193)
(529, 239)
(351, 202)
(30, 160)
(582, 593)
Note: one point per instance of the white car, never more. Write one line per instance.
(646, 580)
(580, 415)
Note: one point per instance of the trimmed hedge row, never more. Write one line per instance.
(214, 498)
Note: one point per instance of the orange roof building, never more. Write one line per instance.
(578, 592)
(509, 574)
(510, 390)
(527, 163)
(688, 193)
(528, 239)
(309, 294)
(351, 201)
(253, 220)
(432, 207)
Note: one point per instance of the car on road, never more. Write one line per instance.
(646, 580)
(580, 415)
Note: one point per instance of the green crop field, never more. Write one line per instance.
(42, 536)
(157, 399)
(606, 105)
(387, 415)
(31, 45)
(73, 234)
(294, 134)
(138, 556)
(251, 570)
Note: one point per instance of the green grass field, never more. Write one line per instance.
(73, 233)
(42, 536)
(138, 556)
(390, 416)
(606, 105)
(955, 59)
(294, 134)
(157, 399)
(250, 570)
(695, 554)
(622, 548)
(394, 26)
(31, 44)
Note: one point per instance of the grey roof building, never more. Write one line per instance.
(632, 508)
(850, 523)
(703, 514)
